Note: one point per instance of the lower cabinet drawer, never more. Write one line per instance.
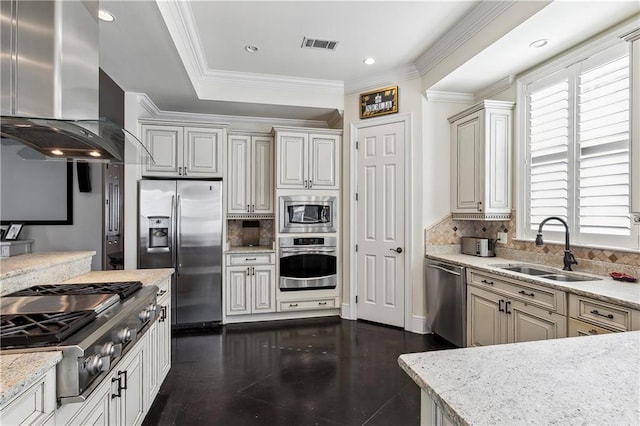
(307, 305)
(613, 317)
(579, 328)
(250, 259)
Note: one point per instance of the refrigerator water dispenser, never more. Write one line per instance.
(158, 231)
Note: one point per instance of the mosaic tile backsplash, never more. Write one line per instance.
(592, 260)
(234, 232)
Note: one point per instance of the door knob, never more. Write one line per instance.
(397, 250)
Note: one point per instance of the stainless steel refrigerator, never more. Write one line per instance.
(180, 226)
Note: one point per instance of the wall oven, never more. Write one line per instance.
(308, 263)
(306, 213)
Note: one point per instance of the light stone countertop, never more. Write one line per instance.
(576, 380)
(19, 371)
(602, 288)
(31, 262)
(252, 249)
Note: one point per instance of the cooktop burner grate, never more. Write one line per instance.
(31, 330)
(122, 289)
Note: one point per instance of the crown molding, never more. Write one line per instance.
(497, 87)
(453, 97)
(408, 72)
(280, 82)
(154, 113)
(470, 25)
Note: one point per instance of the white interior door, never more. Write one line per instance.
(380, 224)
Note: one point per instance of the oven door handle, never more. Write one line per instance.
(307, 251)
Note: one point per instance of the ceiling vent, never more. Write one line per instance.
(318, 44)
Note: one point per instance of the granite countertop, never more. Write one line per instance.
(576, 380)
(250, 249)
(19, 371)
(145, 276)
(30, 262)
(601, 288)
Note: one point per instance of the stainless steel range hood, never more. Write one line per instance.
(49, 80)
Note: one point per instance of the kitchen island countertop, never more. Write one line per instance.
(577, 380)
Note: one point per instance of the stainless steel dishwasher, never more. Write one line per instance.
(446, 301)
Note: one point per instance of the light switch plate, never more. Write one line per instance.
(502, 238)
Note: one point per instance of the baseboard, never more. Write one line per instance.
(346, 312)
(419, 325)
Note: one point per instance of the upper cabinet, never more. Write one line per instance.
(188, 152)
(481, 161)
(308, 158)
(250, 175)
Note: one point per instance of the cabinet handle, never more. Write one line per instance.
(526, 294)
(506, 307)
(310, 184)
(253, 270)
(248, 209)
(479, 206)
(126, 379)
(595, 312)
(248, 271)
(119, 394)
(593, 331)
(249, 258)
(163, 314)
(322, 303)
(162, 292)
(293, 305)
(487, 282)
(185, 171)
(179, 171)
(500, 302)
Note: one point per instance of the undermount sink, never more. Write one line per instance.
(546, 273)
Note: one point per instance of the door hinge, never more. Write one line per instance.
(357, 144)
(356, 248)
(356, 299)
(356, 196)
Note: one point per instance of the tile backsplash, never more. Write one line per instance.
(593, 260)
(234, 232)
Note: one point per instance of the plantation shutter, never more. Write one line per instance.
(603, 149)
(549, 152)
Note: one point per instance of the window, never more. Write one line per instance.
(576, 133)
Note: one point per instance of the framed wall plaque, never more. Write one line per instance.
(379, 102)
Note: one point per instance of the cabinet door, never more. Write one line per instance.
(239, 174)
(132, 400)
(152, 363)
(484, 318)
(292, 160)
(262, 175)
(578, 328)
(95, 413)
(202, 152)
(466, 164)
(323, 159)
(238, 291)
(264, 294)
(497, 189)
(526, 323)
(164, 337)
(165, 146)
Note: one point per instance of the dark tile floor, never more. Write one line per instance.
(323, 371)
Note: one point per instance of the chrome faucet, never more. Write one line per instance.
(568, 259)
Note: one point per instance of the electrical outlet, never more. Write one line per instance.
(502, 238)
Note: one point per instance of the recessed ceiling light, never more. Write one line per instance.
(94, 153)
(251, 48)
(106, 16)
(539, 43)
(369, 61)
(57, 152)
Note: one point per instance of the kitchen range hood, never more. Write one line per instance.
(50, 86)
(91, 140)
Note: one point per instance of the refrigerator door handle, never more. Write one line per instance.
(178, 239)
(172, 234)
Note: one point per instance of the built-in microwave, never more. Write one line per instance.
(308, 213)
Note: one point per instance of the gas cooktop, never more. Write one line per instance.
(122, 289)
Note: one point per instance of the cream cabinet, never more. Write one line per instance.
(250, 283)
(187, 152)
(33, 406)
(158, 361)
(481, 139)
(591, 316)
(307, 159)
(250, 175)
(500, 310)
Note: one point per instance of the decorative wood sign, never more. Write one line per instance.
(379, 102)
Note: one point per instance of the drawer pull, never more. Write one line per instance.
(249, 258)
(293, 305)
(500, 302)
(161, 292)
(487, 282)
(594, 331)
(322, 303)
(595, 312)
(526, 294)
